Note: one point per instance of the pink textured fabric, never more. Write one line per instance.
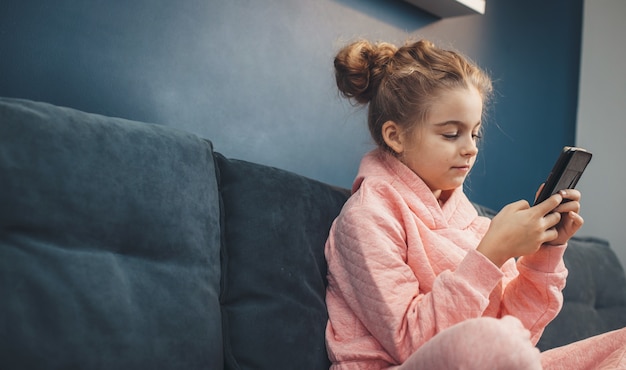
(604, 351)
(483, 343)
(402, 269)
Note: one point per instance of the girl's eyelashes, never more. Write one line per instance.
(451, 136)
(455, 135)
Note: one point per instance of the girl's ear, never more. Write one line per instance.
(392, 134)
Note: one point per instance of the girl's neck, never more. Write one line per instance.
(443, 196)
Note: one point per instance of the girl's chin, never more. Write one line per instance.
(456, 183)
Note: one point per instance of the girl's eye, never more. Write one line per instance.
(456, 135)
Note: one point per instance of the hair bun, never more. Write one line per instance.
(360, 67)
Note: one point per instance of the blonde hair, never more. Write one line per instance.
(400, 84)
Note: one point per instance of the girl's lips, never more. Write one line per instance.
(462, 168)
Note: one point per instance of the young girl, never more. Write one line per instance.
(417, 280)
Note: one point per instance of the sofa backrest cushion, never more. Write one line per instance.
(273, 269)
(109, 243)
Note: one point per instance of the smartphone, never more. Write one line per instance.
(566, 171)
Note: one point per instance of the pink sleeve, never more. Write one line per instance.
(367, 258)
(535, 295)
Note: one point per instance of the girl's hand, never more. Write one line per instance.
(571, 221)
(519, 229)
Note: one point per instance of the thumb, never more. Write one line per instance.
(518, 206)
(539, 190)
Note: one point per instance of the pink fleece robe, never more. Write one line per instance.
(402, 269)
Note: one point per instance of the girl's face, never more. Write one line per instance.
(443, 149)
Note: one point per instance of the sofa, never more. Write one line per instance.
(130, 245)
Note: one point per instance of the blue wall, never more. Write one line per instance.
(256, 77)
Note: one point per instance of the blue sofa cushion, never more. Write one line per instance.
(109, 243)
(274, 271)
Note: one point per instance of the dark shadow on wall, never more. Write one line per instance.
(396, 13)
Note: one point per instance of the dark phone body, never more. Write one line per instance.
(566, 171)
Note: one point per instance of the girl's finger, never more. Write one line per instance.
(552, 219)
(571, 206)
(550, 235)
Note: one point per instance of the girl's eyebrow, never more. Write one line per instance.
(456, 123)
